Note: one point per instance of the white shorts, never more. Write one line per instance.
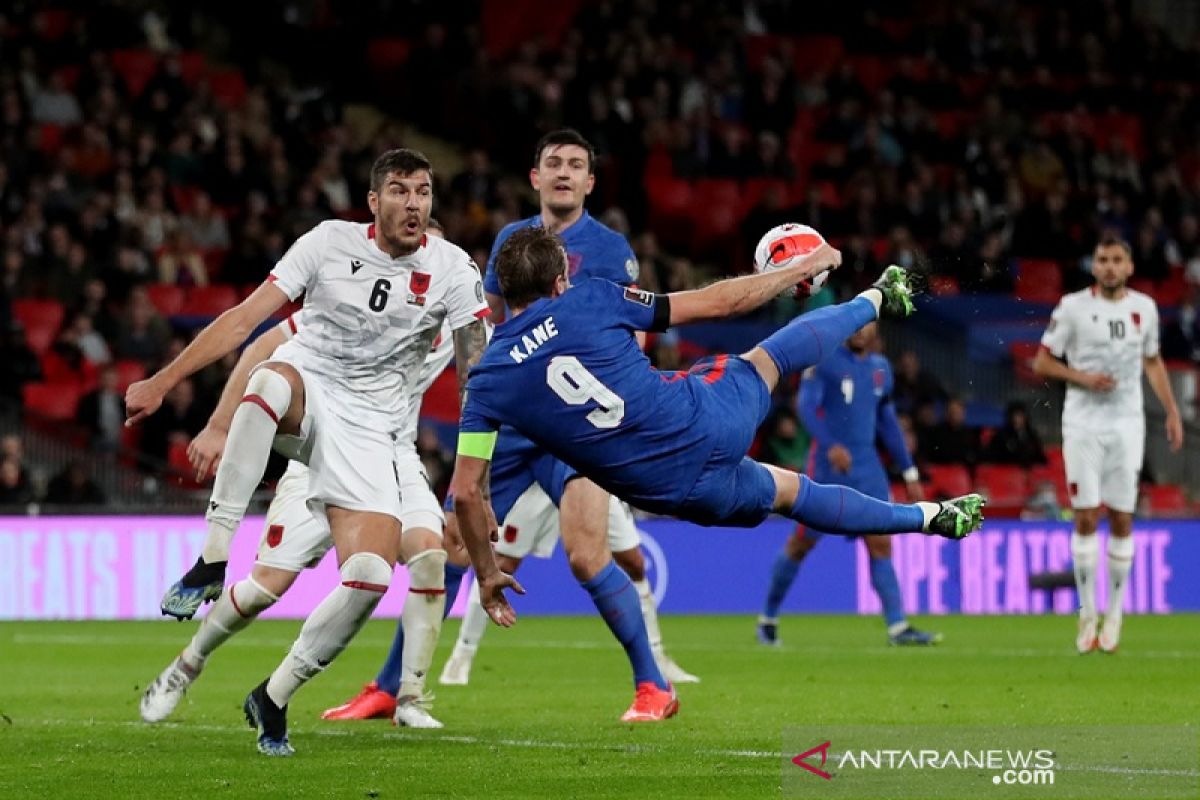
(531, 527)
(1103, 466)
(351, 467)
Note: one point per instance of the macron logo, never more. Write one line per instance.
(823, 750)
(533, 340)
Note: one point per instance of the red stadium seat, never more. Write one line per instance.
(1053, 475)
(166, 297)
(817, 53)
(136, 68)
(183, 474)
(388, 54)
(54, 401)
(1166, 500)
(949, 480)
(209, 301)
(192, 66)
(1006, 485)
(41, 319)
(1022, 354)
(228, 87)
(128, 371)
(1039, 281)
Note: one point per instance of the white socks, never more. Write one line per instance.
(650, 615)
(268, 395)
(236, 608)
(422, 619)
(474, 624)
(875, 297)
(1120, 561)
(929, 510)
(331, 626)
(1084, 552)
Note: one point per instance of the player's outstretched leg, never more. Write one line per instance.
(783, 575)
(377, 700)
(839, 509)
(268, 398)
(237, 607)
(887, 587)
(457, 671)
(810, 337)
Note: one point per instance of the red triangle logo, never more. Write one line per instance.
(823, 749)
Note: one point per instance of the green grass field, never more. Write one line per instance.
(540, 718)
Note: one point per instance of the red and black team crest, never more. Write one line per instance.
(510, 533)
(418, 285)
(1137, 320)
(274, 535)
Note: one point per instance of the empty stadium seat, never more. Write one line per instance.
(183, 473)
(209, 301)
(1166, 499)
(1006, 485)
(1022, 354)
(166, 297)
(949, 480)
(136, 68)
(55, 401)
(41, 319)
(1039, 280)
(128, 371)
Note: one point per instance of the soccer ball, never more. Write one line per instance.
(783, 246)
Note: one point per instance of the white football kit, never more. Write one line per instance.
(532, 526)
(295, 538)
(1104, 433)
(369, 323)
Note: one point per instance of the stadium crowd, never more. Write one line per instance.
(146, 184)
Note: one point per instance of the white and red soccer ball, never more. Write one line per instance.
(785, 245)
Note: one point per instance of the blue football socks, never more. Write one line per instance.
(808, 338)
(839, 509)
(617, 600)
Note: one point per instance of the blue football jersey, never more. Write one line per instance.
(846, 400)
(568, 373)
(593, 251)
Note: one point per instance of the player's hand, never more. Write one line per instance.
(491, 597)
(142, 399)
(915, 493)
(824, 258)
(1174, 431)
(839, 458)
(1098, 381)
(205, 451)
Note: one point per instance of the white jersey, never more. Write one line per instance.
(1094, 334)
(369, 319)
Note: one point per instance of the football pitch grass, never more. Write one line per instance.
(540, 716)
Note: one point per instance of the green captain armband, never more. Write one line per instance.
(477, 445)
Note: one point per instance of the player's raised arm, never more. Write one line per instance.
(220, 337)
(205, 451)
(734, 296)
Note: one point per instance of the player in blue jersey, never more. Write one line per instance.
(846, 404)
(563, 175)
(566, 371)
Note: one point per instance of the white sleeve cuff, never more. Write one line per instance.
(911, 475)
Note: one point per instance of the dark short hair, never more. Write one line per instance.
(1113, 240)
(565, 136)
(401, 160)
(528, 264)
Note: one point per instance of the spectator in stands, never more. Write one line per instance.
(207, 227)
(953, 441)
(81, 334)
(180, 262)
(1181, 335)
(1015, 442)
(14, 485)
(787, 441)
(73, 486)
(53, 104)
(143, 332)
(102, 412)
(155, 221)
(18, 365)
(179, 419)
(915, 386)
(477, 183)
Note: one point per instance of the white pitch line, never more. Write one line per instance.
(541, 744)
(944, 651)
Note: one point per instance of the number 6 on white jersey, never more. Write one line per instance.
(571, 381)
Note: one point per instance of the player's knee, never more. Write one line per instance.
(1121, 524)
(417, 540)
(369, 572)
(427, 571)
(271, 390)
(250, 597)
(632, 562)
(586, 563)
(272, 579)
(1087, 520)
